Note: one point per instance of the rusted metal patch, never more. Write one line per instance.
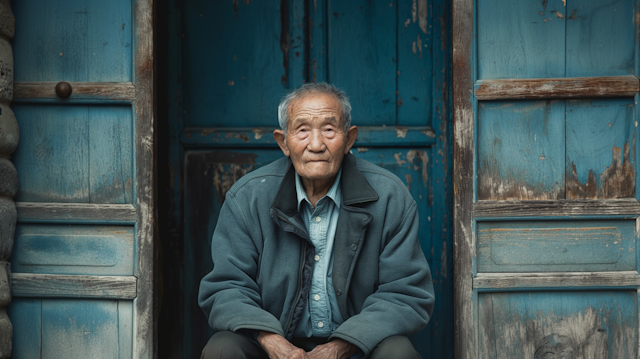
(617, 181)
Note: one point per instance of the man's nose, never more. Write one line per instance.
(316, 143)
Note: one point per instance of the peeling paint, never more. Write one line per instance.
(409, 180)
(399, 161)
(257, 133)
(401, 131)
(419, 42)
(235, 7)
(363, 149)
(559, 15)
(424, 158)
(422, 15)
(406, 23)
(616, 181)
(413, 48)
(414, 11)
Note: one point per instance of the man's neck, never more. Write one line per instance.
(316, 189)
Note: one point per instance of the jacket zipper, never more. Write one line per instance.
(299, 295)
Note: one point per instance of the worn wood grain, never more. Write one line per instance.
(515, 281)
(562, 208)
(548, 88)
(463, 154)
(72, 286)
(145, 335)
(38, 212)
(121, 92)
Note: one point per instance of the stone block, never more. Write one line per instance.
(6, 70)
(7, 20)
(6, 335)
(8, 216)
(8, 178)
(5, 287)
(9, 132)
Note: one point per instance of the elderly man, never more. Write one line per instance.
(316, 255)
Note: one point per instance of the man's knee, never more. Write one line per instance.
(397, 346)
(230, 345)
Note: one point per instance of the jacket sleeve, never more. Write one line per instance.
(404, 300)
(229, 295)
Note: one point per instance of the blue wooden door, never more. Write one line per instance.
(82, 256)
(546, 130)
(239, 58)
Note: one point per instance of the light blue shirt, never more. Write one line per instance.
(321, 315)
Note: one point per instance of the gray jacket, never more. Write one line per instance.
(263, 258)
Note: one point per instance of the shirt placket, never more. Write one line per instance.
(318, 230)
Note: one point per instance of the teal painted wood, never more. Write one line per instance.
(582, 324)
(65, 249)
(599, 159)
(318, 47)
(362, 58)
(532, 47)
(125, 329)
(556, 246)
(26, 318)
(521, 150)
(223, 85)
(416, 39)
(600, 37)
(79, 329)
(73, 41)
(75, 154)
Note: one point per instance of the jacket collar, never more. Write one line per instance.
(355, 188)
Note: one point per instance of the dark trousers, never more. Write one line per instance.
(229, 345)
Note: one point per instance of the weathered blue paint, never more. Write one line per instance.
(64, 249)
(26, 317)
(558, 246)
(521, 150)
(583, 323)
(599, 148)
(77, 41)
(600, 37)
(75, 154)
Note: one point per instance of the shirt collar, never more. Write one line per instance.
(334, 192)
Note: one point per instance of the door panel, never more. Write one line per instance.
(80, 41)
(82, 261)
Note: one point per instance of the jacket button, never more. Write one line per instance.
(338, 292)
(354, 247)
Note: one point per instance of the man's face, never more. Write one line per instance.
(316, 140)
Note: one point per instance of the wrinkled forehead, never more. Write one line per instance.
(315, 103)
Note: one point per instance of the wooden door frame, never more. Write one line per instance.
(463, 169)
(145, 333)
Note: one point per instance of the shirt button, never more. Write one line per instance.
(354, 247)
(320, 324)
(316, 257)
(316, 297)
(318, 219)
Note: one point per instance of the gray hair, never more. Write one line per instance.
(309, 88)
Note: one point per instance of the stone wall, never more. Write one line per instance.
(8, 176)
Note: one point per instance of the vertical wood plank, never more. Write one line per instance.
(125, 329)
(26, 318)
(110, 147)
(599, 162)
(521, 39)
(600, 37)
(416, 43)
(73, 41)
(366, 31)
(144, 337)
(463, 160)
(318, 49)
(521, 150)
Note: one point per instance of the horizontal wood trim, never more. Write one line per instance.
(263, 137)
(561, 208)
(577, 87)
(520, 281)
(36, 212)
(124, 92)
(73, 286)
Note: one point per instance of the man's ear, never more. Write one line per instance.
(352, 134)
(280, 139)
